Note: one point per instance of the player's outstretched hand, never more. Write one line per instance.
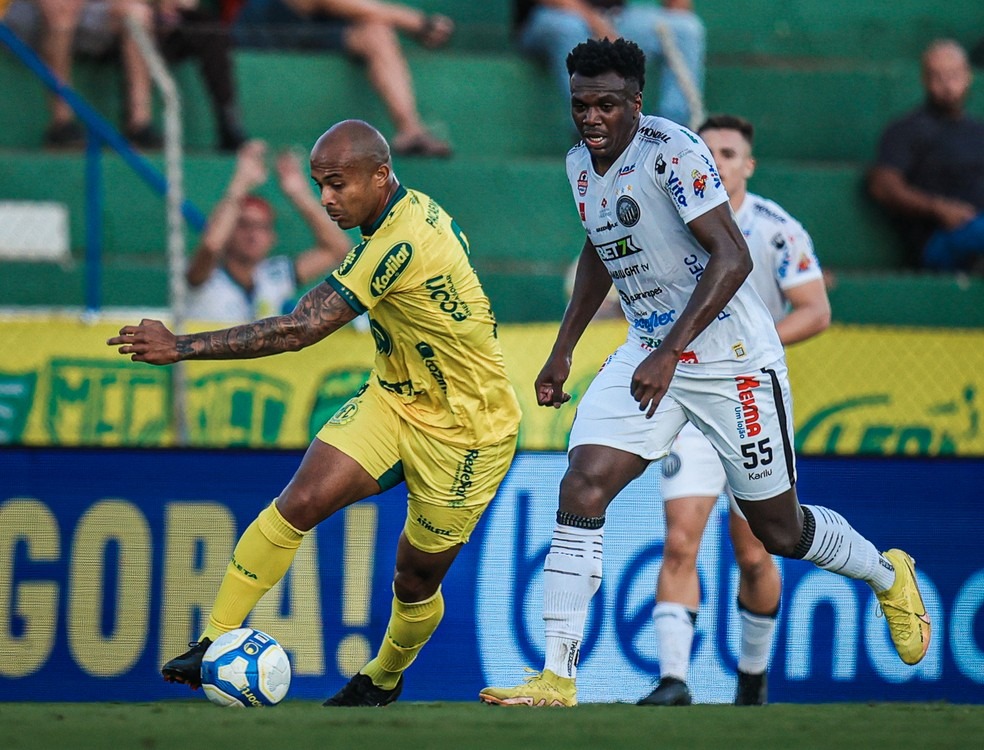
(149, 342)
(651, 379)
(550, 382)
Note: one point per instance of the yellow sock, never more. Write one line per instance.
(261, 558)
(410, 627)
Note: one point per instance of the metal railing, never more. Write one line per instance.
(173, 140)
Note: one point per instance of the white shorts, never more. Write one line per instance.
(747, 419)
(692, 468)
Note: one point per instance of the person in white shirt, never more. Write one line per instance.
(787, 276)
(232, 277)
(701, 347)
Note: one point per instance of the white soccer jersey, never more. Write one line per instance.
(782, 251)
(635, 216)
(221, 299)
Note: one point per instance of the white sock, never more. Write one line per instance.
(757, 632)
(571, 576)
(837, 547)
(674, 637)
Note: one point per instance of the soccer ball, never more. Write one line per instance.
(245, 668)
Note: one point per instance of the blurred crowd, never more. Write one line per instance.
(372, 32)
(928, 174)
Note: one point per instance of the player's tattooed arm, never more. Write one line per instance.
(319, 313)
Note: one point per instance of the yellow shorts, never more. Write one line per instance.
(448, 486)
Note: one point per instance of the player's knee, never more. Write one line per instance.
(582, 494)
(750, 554)
(414, 585)
(300, 508)
(755, 564)
(680, 549)
(779, 540)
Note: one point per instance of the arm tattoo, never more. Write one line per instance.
(319, 313)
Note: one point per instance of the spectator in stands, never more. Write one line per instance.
(367, 30)
(194, 28)
(231, 275)
(930, 168)
(549, 29)
(95, 28)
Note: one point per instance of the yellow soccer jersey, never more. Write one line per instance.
(437, 354)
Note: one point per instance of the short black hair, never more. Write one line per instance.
(729, 122)
(597, 56)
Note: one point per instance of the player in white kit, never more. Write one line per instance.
(787, 276)
(701, 347)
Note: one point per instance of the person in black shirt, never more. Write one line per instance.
(930, 168)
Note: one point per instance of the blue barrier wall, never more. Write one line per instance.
(109, 557)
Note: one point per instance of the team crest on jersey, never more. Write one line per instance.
(350, 260)
(390, 267)
(346, 412)
(627, 211)
(582, 183)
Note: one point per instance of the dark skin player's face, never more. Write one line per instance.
(605, 109)
(353, 191)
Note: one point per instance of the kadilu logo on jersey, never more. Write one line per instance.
(390, 267)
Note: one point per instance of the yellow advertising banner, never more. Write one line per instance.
(857, 389)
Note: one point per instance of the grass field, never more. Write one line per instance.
(295, 725)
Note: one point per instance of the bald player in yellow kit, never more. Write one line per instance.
(438, 411)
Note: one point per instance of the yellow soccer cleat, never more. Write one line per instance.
(539, 689)
(904, 610)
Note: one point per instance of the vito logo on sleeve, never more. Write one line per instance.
(392, 264)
